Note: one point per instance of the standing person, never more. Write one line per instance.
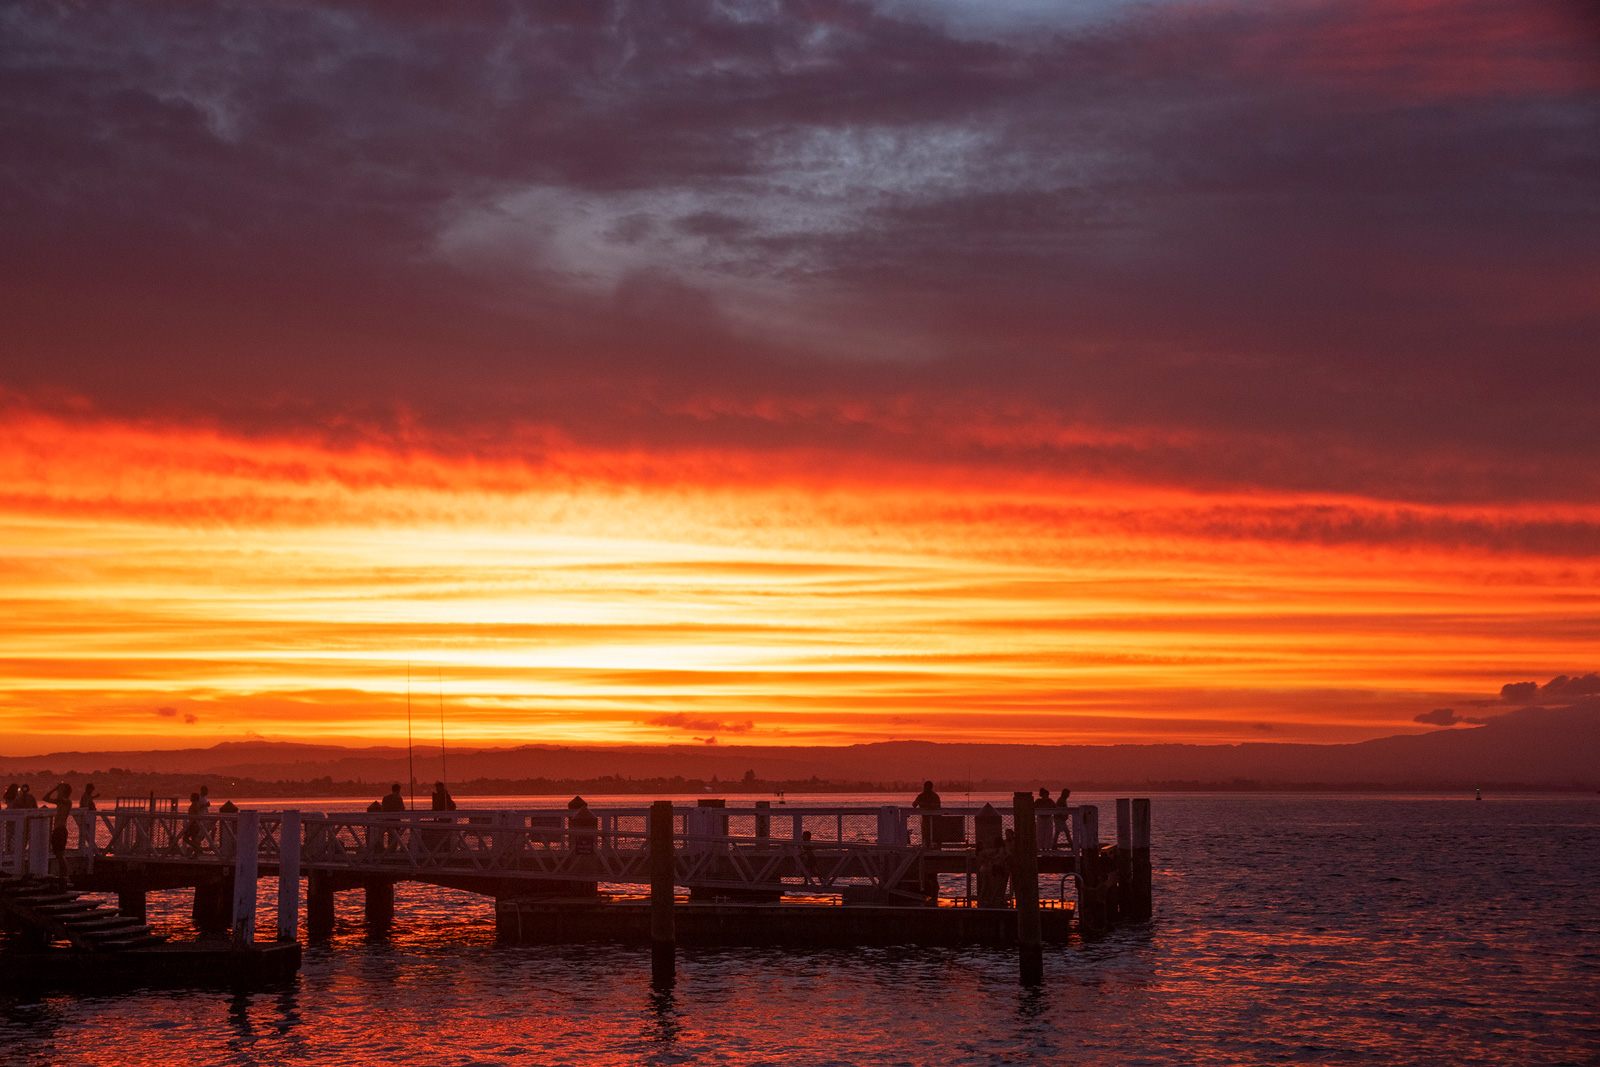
(393, 801)
(205, 800)
(442, 800)
(927, 800)
(25, 797)
(1045, 819)
(61, 797)
(1009, 864)
(1063, 820)
(86, 810)
(10, 802)
(191, 829)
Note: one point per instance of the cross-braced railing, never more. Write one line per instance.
(757, 849)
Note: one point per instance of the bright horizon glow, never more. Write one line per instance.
(277, 588)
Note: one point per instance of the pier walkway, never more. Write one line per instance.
(556, 865)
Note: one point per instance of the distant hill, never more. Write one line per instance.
(1544, 747)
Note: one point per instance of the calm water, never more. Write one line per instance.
(1290, 929)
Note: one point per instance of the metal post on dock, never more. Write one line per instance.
(1030, 938)
(245, 867)
(289, 876)
(1122, 900)
(1140, 904)
(1091, 874)
(38, 829)
(379, 909)
(663, 936)
(320, 909)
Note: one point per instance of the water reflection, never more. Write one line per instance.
(1287, 940)
(664, 1023)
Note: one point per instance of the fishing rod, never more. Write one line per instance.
(411, 766)
(443, 776)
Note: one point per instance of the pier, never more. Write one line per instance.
(667, 875)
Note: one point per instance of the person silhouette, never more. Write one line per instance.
(61, 797)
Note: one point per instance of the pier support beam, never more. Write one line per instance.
(245, 869)
(1121, 904)
(213, 904)
(1030, 940)
(380, 905)
(289, 877)
(319, 905)
(1091, 869)
(131, 901)
(663, 935)
(1140, 904)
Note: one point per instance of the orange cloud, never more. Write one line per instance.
(282, 587)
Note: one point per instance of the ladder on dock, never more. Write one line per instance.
(52, 914)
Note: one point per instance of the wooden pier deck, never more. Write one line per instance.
(754, 875)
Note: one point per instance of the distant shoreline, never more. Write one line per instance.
(110, 785)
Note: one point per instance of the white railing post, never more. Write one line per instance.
(891, 827)
(38, 846)
(247, 831)
(289, 876)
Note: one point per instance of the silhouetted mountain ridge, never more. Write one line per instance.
(1534, 745)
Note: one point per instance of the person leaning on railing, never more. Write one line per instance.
(61, 797)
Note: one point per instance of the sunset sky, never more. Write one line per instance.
(794, 372)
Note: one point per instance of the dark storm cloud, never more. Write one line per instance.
(1305, 243)
(1561, 689)
(1446, 717)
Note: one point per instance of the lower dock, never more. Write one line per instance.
(174, 964)
(790, 924)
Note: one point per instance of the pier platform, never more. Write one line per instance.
(792, 924)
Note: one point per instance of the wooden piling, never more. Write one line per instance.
(1025, 875)
(663, 936)
(379, 905)
(132, 902)
(213, 904)
(245, 869)
(319, 904)
(1121, 902)
(1091, 869)
(289, 876)
(1139, 839)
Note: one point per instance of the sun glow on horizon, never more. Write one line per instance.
(192, 603)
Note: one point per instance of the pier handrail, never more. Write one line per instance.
(745, 848)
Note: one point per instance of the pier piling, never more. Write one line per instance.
(379, 905)
(1139, 904)
(213, 904)
(1030, 939)
(1121, 904)
(319, 904)
(289, 877)
(663, 937)
(131, 901)
(245, 868)
(1091, 869)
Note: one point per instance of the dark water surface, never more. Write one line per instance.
(1290, 929)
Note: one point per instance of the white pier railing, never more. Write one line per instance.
(792, 848)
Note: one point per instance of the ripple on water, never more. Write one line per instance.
(1292, 930)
